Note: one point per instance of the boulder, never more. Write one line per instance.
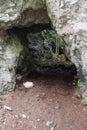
(69, 18)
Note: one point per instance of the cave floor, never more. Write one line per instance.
(52, 104)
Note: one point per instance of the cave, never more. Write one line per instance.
(37, 50)
(45, 53)
(62, 34)
(43, 64)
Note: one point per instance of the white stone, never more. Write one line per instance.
(24, 116)
(7, 108)
(48, 123)
(28, 84)
(16, 116)
(52, 128)
(38, 120)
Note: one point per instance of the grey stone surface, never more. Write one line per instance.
(69, 17)
(39, 44)
(10, 50)
(22, 13)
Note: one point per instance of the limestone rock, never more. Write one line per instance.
(10, 50)
(69, 17)
(7, 108)
(22, 13)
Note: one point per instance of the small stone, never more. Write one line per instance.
(16, 116)
(7, 108)
(28, 84)
(78, 96)
(38, 95)
(48, 123)
(43, 94)
(73, 97)
(52, 128)
(24, 116)
(38, 120)
(57, 107)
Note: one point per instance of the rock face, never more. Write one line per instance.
(47, 51)
(19, 13)
(69, 17)
(10, 50)
(39, 44)
(22, 13)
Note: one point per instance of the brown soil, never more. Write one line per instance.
(52, 104)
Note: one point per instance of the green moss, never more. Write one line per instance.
(84, 102)
(53, 55)
(68, 63)
(48, 62)
(78, 83)
(43, 61)
(52, 34)
(58, 41)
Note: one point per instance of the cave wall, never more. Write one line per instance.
(10, 50)
(69, 19)
(22, 13)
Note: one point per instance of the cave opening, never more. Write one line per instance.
(45, 53)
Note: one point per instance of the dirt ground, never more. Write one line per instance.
(52, 104)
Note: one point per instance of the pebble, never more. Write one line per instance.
(28, 84)
(48, 123)
(24, 116)
(52, 128)
(38, 120)
(78, 96)
(73, 97)
(7, 108)
(16, 116)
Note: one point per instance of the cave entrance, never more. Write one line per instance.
(45, 53)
